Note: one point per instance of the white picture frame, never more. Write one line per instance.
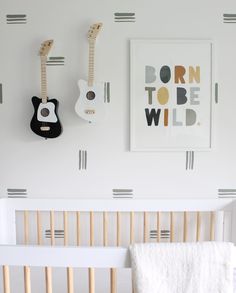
(171, 93)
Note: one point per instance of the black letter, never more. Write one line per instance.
(153, 115)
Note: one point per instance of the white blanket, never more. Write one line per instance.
(202, 267)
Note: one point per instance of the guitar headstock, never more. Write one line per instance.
(45, 48)
(94, 31)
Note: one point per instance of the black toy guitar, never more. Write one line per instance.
(45, 121)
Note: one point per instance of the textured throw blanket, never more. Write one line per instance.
(202, 267)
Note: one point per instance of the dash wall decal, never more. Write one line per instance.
(16, 193)
(16, 18)
(83, 158)
(57, 234)
(216, 93)
(227, 193)
(124, 17)
(229, 18)
(56, 61)
(122, 193)
(1, 98)
(165, 234)
(189, 160)
(107, 92)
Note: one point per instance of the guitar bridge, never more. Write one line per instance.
(89, 112)
(44, 128)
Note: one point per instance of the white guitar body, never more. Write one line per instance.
(46, 112)
(90, 106)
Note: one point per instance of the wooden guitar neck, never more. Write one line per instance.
(43, 79)
(91, 62)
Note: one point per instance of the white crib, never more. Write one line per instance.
(96, 234)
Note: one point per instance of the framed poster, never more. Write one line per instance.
(171, 95)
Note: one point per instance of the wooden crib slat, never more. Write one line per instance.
(118, 230)
(105, 229)
(158, 226)
(91, 228)
(198, 230)
(113, 275)
(27, 280)
(145, 228)
(212, 226)
(6, 279)
(70, 280)
(171, 226)
(65, 222)
(48, 279)
(91, 270)
(185, 236)
(39, 228)
(52, 227)
(26, 242)
(131, 227)
(78, 228)
(70, 276)
(91, 280)
(26, 227)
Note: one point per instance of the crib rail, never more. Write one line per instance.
(77, 257)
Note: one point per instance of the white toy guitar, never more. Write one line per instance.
(90, 105)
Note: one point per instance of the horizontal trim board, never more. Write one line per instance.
(72, 256)
(78, 257)
(100, 205)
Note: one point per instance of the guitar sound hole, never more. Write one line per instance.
(44, 112)
(90, 95)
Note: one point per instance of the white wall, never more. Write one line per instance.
(50, 168)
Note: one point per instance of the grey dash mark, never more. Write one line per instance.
(16, 190)
(216, 93)
(227, 190)
(124, 17)
(83, 160)
(124, 14)
(189, 165)
(1, 96)
(16, 18)
(55, 61)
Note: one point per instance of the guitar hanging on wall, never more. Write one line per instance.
(45, 121)
(90, 105)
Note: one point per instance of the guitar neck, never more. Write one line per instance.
(44, 79)
(91, 62)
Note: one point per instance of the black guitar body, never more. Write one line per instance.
(45, 129)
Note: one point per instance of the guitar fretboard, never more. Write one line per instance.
(91, 62)
(43, 79)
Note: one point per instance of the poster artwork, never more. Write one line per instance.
(157, 97)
